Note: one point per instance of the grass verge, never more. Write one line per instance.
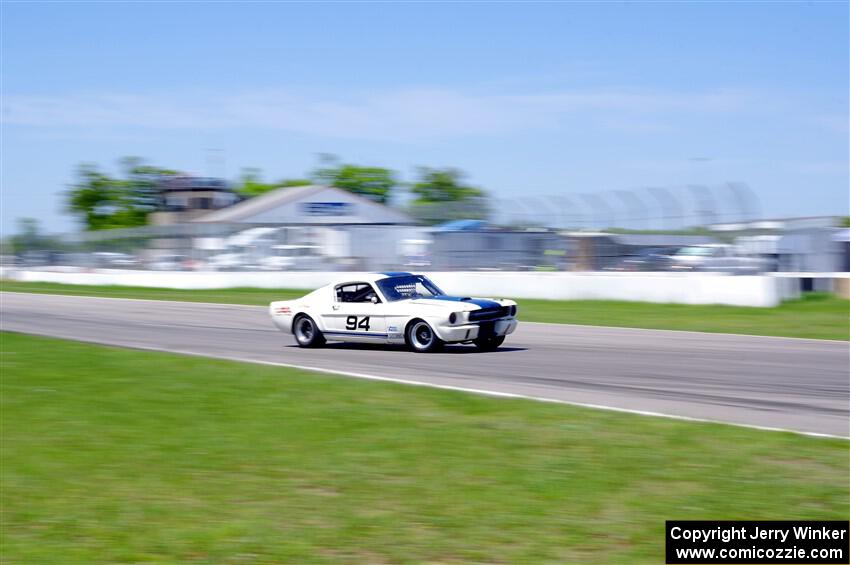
(815, 315)
(114, 455)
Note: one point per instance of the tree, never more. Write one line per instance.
(93, 197)
(442, 185)
(142, 185)
(251, 183)
(104, 202)
(375, 183)
(29, 237)
(442, 195)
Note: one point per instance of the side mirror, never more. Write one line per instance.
(374, 299)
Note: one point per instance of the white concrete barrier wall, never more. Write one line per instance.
(678, 288)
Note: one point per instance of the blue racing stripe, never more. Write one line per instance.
(481, 303)
(360, 334)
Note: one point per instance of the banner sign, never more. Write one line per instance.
(327, 208)
(692, 542)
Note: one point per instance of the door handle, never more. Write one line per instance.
(335, 307)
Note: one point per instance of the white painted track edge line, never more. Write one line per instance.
(554, 324)
(468, 390)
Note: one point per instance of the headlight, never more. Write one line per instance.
(513, 310)
(452, 318)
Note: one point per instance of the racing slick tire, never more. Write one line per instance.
(306, 332)
(421, 337)
(489, 343)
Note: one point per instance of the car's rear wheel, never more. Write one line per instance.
(306, 332)
(489, 343)
(421, 337)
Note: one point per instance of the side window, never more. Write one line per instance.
(367, 293)
(356, 292)
(343, 292)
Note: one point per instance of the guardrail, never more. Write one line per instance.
(660, 287)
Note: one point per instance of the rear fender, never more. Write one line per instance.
(283, 312)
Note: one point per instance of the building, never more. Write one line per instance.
(349, 230)
(183, 198)
(797, 244)
(309, 205)
(594, 251)
(473, 245)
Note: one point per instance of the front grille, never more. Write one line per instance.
(486, 329)
(493, 313)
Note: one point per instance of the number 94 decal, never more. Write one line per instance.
(351, 323)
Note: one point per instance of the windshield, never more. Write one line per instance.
(696, 251)
(408, 286)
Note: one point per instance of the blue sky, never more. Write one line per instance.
(529, 99)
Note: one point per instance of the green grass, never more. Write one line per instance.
(120, 456)
(816, 315)
(251, 296)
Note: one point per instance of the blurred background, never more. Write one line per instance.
(698, 141)
(343, 220)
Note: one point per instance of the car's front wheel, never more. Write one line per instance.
(421, 337)
(306, 332)
(489, 343)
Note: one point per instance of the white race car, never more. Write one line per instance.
(394, 307)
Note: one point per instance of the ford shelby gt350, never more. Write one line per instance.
(400, 308)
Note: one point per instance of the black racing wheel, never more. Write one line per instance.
(421, 337)
(306, 332)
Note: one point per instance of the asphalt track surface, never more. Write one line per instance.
(793, 384)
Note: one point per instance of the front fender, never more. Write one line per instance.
(397, 325)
